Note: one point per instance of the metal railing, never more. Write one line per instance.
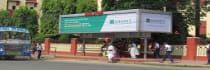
(61, 46)
(89, 47)
(201, 50)
(179, 50)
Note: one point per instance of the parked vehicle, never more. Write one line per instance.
(14, 41)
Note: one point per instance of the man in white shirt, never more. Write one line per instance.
(208, 46)
(39, 49)
(110, 53)
(133, 50)
(168, 53)
(157, 50)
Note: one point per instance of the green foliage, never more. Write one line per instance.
(69, 6)
(27, 18)
(51, 10)
(39, 37)
(5, 18)
(174, 6)
(86, 6)
(142, 4)
(50, 18)
(64, 37)
(22, 17)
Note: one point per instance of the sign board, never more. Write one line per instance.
(16, 29)
(151, 22)
(131, 21)
(100, 23)
(115, 35)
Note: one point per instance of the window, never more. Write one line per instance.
(13, 7)
(17, 3)
(203, 28)
(35, 4)
(31, 7)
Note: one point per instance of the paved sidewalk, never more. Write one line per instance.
(181, 63)
(177, 63)
(104, 59)
(44, 56)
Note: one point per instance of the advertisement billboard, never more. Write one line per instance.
(151, 22)
(100, 23)
(134, 20)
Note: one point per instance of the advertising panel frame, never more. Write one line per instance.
(155, 12)
(138, 19)
(104, 13)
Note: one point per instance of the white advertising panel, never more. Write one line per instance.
(126, 22)
(151, 22)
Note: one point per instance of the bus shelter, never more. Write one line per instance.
(135, 23)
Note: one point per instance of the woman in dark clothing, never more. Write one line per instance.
(104, 48)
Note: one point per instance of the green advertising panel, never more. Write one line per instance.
(81, 24)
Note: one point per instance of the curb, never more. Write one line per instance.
(176, 65)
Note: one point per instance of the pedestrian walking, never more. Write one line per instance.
(133, 50)
(157, 50)
(168, 49)
(208, 53)
(103, 49)
(39, 49)
(110, 53)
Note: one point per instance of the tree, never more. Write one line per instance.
(142, 4)
(5, 18)
(197, 17)
(27, 18)
(195, 9)
(49, 20)
(51, 10)
(69, 6)
(173, 6)
(86, 6)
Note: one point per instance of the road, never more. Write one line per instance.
(77, 65)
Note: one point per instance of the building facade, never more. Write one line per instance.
(204, 24)
(12, 5)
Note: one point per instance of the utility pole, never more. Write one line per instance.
(197, 17)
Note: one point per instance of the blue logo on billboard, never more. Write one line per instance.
(148, 20)
(112, 21)
(155, 21)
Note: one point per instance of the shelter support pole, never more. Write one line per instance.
(73, 49)
(83, 47)
(192, 43)
(47, 43)
(145, 48)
